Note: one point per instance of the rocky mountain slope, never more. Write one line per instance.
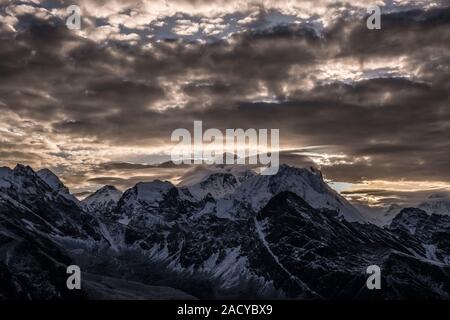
(226, 235)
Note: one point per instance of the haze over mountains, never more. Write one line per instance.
(232, 234)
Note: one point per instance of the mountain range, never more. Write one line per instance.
(230, 234)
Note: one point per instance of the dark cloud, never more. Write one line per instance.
(390, 123)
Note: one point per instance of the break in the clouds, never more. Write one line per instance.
(97, 105)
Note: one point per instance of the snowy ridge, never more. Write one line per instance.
(136, 202)
(53, 181)
(217, 181)
(218, 185)
(24, 180)
(306, 183)
(103, 200)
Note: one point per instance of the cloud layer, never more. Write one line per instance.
(363, 104)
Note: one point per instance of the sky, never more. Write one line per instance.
(370, 108)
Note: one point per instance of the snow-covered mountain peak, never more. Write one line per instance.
(23, 179)
(437, 203)
(106, 192)
(51, 179)
(55, 184)
(288, 174)
(201, 173)
(307, 183)
(103, 200)
(219, 183)
(142, 203)
(108, 189)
